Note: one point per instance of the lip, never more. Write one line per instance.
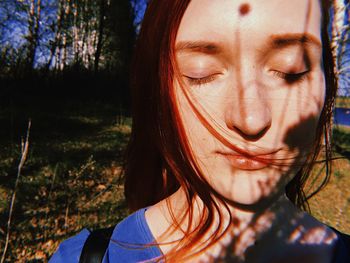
(250, 161)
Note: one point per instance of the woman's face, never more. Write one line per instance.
(253, 70)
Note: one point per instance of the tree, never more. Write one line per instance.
(340, 44)
(100, 34)
(34, 12)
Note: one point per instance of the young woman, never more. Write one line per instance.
(232, 103)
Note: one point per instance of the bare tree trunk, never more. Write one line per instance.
(33, 32)
(82, 33)
(24, 153)
(37, 23)
(340, 41)
(85, 45)
(63, 52)
(64, 36)
(344, 41)
(75, 32)
(57, 39)
(337, 30)
(102, 14)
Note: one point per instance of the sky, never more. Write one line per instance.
(15, 30)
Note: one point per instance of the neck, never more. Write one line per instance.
(245, 228)
(269, 232)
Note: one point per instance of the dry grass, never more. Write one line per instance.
(72, 180)
(343, 102)
(332, 204)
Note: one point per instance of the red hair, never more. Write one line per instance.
(153, 154)
(159, 158)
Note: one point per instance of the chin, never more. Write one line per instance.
(248, 199)
(250, 191)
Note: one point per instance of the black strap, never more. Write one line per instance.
(96, 245)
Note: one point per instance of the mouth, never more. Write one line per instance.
(249, 161)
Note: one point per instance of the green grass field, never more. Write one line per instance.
(72, 177)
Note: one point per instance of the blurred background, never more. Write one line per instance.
(65, 121)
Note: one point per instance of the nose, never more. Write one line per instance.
(249, 113)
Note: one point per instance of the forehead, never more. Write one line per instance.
(250, 20)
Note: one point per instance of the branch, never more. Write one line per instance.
(24, 150)
(344, 69)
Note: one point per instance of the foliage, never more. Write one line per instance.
(55, 34)
(80, 42)
(72, 177)
(54, 54)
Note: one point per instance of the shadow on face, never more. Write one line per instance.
(252, 88)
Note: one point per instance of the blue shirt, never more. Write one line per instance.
(128, 243)
(130, 239)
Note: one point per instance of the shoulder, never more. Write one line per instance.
(69, 250)
(342, 248)
(339, 241)
(132, 240)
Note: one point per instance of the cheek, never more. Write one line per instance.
(302, 119)
(301, 136)
(188, 118)
(315, 97)
(194, 121)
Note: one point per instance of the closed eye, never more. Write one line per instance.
(292, 78)
(200, 81)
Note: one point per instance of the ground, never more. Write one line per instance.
(72, 178)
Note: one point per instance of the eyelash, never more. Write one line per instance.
(200, 81)
(291, 78)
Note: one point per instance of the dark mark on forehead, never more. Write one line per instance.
(244, 9)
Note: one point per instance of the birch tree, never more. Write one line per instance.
(34, 13)
(340, 43)
(100, 34)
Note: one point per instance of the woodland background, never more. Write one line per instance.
(64, 121)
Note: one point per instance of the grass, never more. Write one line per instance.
(332, 204)
(343, 102)
(72, 177)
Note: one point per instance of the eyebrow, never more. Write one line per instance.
(297, 39)
(205, 47)
(275, 42)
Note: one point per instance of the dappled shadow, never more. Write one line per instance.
(70, 141)
(275, 230)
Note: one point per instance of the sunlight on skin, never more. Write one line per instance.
(247, 97)
(257, 79)
(280, 231)
(315, 235)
